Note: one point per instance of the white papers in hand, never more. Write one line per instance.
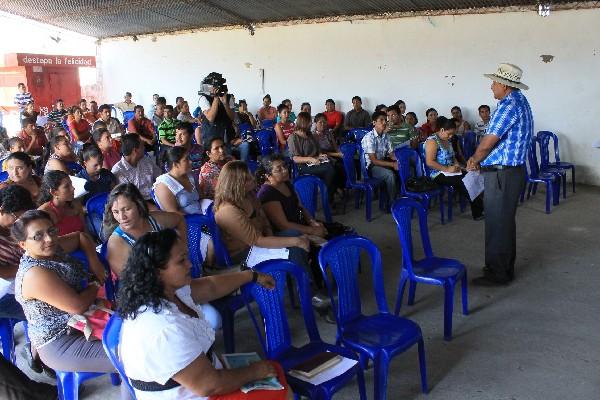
(330, 373)
(474, 184)
(451, 173)
(260, 254)
(79, 185)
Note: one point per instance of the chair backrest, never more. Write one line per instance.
(468, 143)
(74, 167)
(348, 151)
(534, 167)
(252, 166)
(3, 176)
(276, 338)
(110, 340)
(342, 256)
(221, 253)
(267, 124)
(154, 199)
(195, 223)
(424, 158)
(95, 212)
(363, 163)
(404, 156)
(543, 138)
(402, 211)
(245, 130)
(357, 134)
(266, 141)
(308, 187)
(127, 115)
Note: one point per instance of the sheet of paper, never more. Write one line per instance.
(79, 185)
(451, 173)
(473, 181)
(260, 254)
(596, 144)
(330, 373)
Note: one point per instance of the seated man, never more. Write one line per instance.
(334, 118)
(113, 125)
(159, 114)
(400, 131)
(58, 114)
(379, 154)
(126, 105)
(481, 127)
(34, 140)
(92, 114)
(142, 126)
(134, 167)
(166, 129)
(110, 155)
(357, 117)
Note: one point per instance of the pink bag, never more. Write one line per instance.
(93, 321)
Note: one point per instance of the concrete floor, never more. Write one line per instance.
(537, 338)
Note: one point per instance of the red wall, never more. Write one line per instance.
(47, 84)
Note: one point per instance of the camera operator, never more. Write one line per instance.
(217, 110)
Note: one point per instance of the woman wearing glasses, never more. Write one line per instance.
(49, 287)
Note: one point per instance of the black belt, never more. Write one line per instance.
(157, 387)
(491, 168)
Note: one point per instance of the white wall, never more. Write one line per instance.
(437, 61)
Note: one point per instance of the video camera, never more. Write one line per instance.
(214, 80)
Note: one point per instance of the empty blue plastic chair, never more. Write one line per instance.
(110, 340)
(277, 344)
(95, 213)
(267, 141)
(3, 176)
(367, 184)
(535, 176)
(308, 188)
(430, 270)
(404, 156)
(543, 139)
(380, 336)
(7, 326)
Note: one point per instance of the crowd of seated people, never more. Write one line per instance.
(148, 197)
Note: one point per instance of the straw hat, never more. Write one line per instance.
(509, 75)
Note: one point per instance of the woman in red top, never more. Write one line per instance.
(58, 200)
(284, 128)
(267, 111)
(79, 127)
(429, 127)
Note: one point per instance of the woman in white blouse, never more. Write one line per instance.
(166, 344)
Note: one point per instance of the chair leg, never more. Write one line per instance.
(423, 367)
(360, 378)
(8, 340)
(400, 295)
(442, 207)
(381, 366)
(564, 182)
(529, 190)
(450, 201)
(412, 289)
(549, 190)
(115, 379)
(556, 191)
(535, 185)
(465, 294)
(369, 199)
(448, 309)
(573, 177)
(228, 331)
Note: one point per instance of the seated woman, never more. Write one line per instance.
(61, 153)
(20, 172)
(306, 154)
(29, 112)
(176, 191)
(284, 127)
(430, 126)
(462, 125)
(166, 342)
(209, 173)
(328, 145)
(440, 157)
(99, 179)
(267, 111)
(126, 218)
(58, 200)
(49, 287)
(81, 130)
(242, 221)
(185, 115)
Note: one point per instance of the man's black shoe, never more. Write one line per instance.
(487, 281)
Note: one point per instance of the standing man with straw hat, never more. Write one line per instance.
(501, 157)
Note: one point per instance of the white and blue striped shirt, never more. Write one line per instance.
(512, 122)
(21, 99)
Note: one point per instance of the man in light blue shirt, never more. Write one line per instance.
(501, 157)
(379, 154)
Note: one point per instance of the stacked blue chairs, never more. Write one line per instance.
(127, 115)
(560, 173)
(95, 213)
(267, 142)
(367, 184)
(535, 176)
(7, 326)
(308, 188)
(404, 156)
(543, 138)
(380, 336)
(110, 340)
(430, 270)
(3, 176)
(277, 344)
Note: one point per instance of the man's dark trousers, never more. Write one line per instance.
(503, 188)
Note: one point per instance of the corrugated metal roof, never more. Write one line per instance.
(113, 18)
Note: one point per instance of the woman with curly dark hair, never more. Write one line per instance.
(166, 343)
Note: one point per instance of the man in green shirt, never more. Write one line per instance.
(166, 129)
(398, 130)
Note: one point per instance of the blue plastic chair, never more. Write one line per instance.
(7, 326)
(74, 167)
(277, 344)
(3, 176)
(2, 164)
(543, 139)
(535, 176)
(252, 166)
(153, 195)
(95, 213)
(127, 115)
(195, 223)
(267, 142)
(109, 286)
(404, 156)
(308, 188)
(246, 130)
(367, 184)
(356, 135)
(468, 144)
(110, 340)
(380, 336)
(68, 383)
(430, 270)
(268, 123)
